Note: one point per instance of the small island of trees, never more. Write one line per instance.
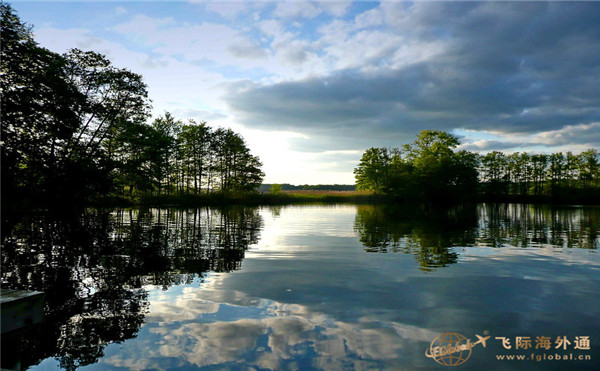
(432, 169)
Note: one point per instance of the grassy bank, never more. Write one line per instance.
(283, 198)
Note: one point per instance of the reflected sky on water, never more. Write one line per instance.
(321, 287)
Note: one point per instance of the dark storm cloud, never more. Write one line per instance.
(511, 67)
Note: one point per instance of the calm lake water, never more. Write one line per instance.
(308, 287)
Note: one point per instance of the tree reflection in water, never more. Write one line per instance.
(523, 225)
(427, 233)
(93, 267)
(431, 234)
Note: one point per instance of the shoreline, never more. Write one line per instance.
(287, 198)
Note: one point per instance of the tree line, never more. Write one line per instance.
(432, 169)
(74, 125)
(307, 187)
(172, 157)
(523, 173)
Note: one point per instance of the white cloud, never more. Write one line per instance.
(302, 9)
(234, 9)
(288, 10)
(142, 25)
(200, 43)
(585, 134)
(119, 10)
(287, 330)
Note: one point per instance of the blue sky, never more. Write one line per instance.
(311, 85)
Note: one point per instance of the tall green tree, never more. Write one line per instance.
(440, 172)
(495, 172)
(163, 170)
(233, 165)
(194, 142)
(556, 171)
(372, 171)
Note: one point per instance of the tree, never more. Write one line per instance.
(113, 97)
(431, 144)
(441, 174)
(74, 126)
(372, 170)
(495, 172)
(236, 169)
(556, 170)
(137, 152)
(194, 141)
(58, 113)
(39, 108)
(275, 189)
(589, 167)
(539, 163)
(168, 129)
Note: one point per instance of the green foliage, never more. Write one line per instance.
(373, 170)
(275, 189)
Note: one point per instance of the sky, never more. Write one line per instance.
(311, 85)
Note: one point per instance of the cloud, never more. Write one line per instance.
(587, 134)
(246, 48)
(200, 333)
(288, 10)
(514, 68)
(143, 25)
(232, 10)
(298, 9)
(119, 10)
(202, 43)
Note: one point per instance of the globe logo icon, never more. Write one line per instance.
(450, 349)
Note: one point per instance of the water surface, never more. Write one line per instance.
(305, 287)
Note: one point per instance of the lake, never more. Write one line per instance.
(340, 287)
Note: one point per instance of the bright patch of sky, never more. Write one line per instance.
(310, 85)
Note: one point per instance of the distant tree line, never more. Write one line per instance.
(524, 173)
(308, 187)
(432, 169)
(74, 125)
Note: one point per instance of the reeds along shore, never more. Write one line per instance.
(326, 197)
